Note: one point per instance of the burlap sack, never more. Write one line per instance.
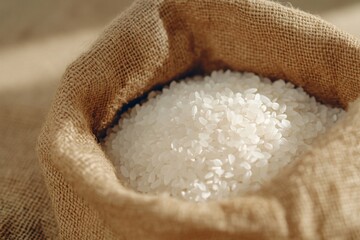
(153, 42)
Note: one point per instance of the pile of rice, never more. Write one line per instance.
(215, 137)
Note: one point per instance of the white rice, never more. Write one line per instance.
(215, 137)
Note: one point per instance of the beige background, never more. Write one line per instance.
(39, 38)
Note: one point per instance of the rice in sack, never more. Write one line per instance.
(155, 42)
(215, 137)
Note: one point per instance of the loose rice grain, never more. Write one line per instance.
(214, 137)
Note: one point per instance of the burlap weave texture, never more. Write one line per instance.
(154, 42)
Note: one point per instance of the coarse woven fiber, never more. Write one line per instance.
(25, 207)
(153, 42)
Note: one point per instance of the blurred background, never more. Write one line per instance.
(39, 38)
